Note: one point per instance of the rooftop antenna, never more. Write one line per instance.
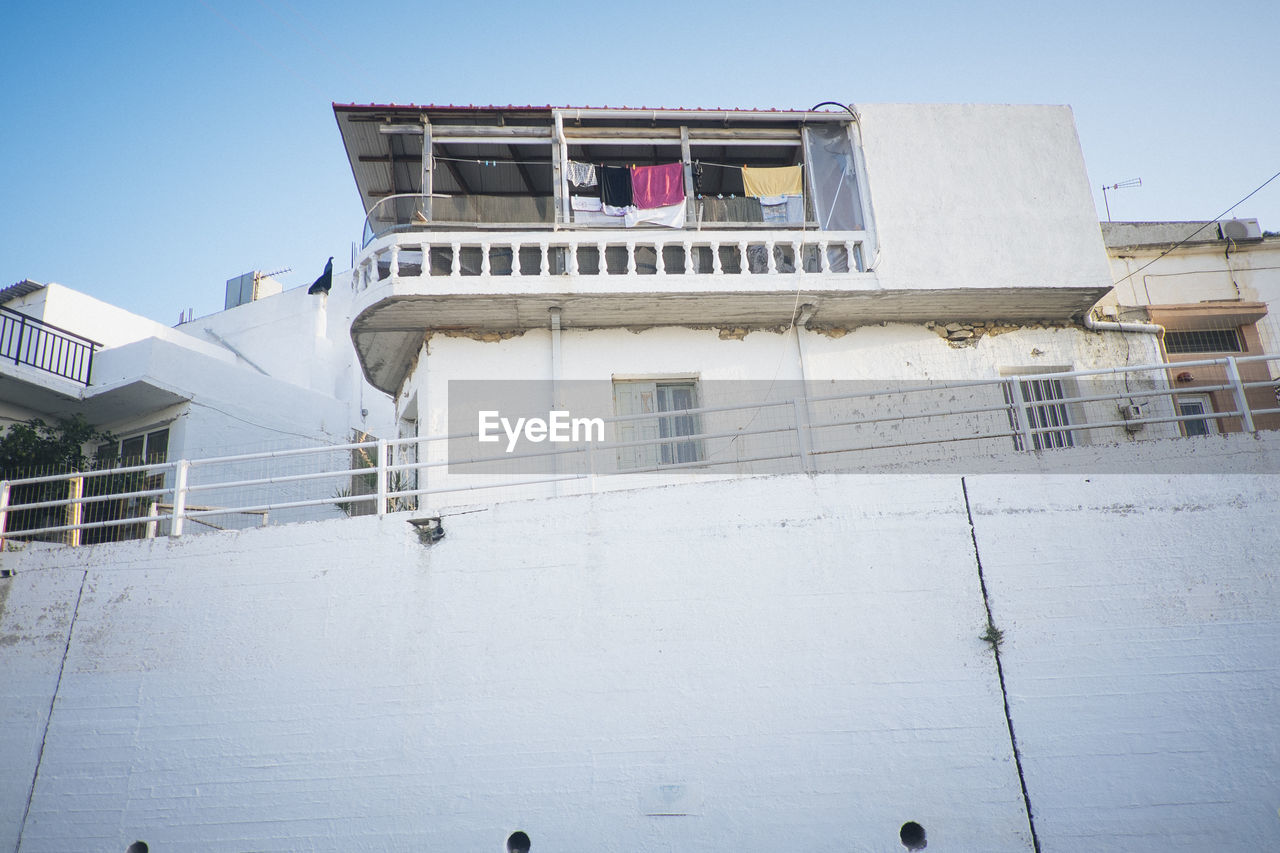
(1132, 182)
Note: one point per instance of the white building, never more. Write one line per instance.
(1081, 655)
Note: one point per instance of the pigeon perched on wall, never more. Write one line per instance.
(325, 281)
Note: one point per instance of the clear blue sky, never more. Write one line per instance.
(152, 150)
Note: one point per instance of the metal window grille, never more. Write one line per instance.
(1203, 340)
(1041, 413)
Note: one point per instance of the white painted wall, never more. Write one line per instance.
(1142, 642)
(303, 339)
(100, 321)
(971, 195)
(798, 657)
(871, 357)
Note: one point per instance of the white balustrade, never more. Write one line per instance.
(784, 253)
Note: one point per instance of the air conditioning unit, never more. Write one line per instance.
(1240, 229)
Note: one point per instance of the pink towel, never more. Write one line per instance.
(657, 186)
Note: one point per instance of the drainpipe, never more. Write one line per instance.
(555, 355)
(1110, 326)
(555, 381)
(801, 403)
(802, 322)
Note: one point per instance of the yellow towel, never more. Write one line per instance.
(763, 181)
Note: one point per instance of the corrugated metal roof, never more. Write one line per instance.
(16, 291)
(386, 164)
(549, 107)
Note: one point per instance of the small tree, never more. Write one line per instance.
(34, 447)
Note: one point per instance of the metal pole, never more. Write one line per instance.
(179, 496)
(75, 510)
(1237, 390)
(382, 477)
(4, 510)
(1022, 419)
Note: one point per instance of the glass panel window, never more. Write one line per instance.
(653, 397)
(1196, 404)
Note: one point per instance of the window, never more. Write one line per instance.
(147, 448)
(1041, 412)
(142, 449)
(1203, 340)
(643, 397)
(1195, 404)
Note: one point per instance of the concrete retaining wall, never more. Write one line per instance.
(779, 663)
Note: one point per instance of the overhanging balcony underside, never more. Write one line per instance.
(389, 332)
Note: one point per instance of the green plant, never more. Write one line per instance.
(993, 636)
(37, 446)
(365, 485)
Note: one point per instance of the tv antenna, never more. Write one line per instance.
(1132, 182)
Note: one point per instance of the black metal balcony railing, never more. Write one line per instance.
(26, 340)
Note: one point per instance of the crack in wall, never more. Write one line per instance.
(995, 649)
(44, 737)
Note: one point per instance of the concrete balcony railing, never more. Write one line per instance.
(620, 253)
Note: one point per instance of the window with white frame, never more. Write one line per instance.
(659, 435)
(1195, 404)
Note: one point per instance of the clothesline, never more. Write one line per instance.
(492, 162)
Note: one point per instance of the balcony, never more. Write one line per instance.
(26, 340)
(409, 283)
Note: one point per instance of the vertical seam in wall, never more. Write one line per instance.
(1004, 694)
(22, 827)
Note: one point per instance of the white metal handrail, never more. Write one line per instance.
(800, 437)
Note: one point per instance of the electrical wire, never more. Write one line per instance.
(1213, 221)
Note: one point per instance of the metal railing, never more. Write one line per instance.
(412, 212)
(886, 426)
(610, 253)
(26, 340)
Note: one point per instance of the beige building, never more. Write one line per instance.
(1215, 288)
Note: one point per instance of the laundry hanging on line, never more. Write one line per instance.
(615, 185)
(760, 181)
(657, 186)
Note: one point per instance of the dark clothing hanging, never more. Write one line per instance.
(731, 210)
(615, 185)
